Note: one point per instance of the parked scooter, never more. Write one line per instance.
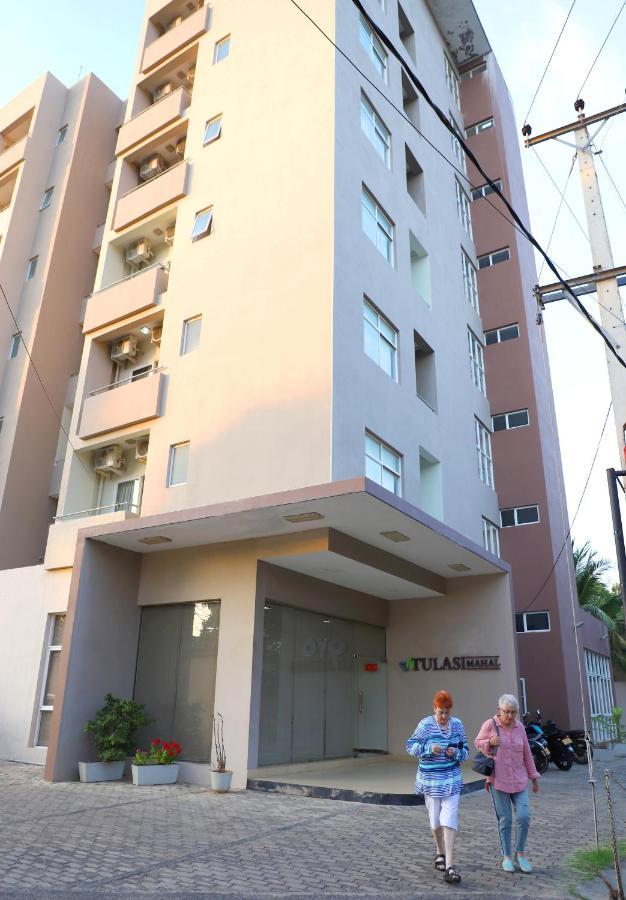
(538, 744)
(579, 746)
(559, 743)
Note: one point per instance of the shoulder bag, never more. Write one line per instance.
(482, 763)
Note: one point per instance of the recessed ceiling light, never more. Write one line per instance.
(326, 621)
(267, 607)
(169, 148)
(158, 232)
(156, 539)
(145, 329)
(459, 567)
(130, 441)
(304, 517)
(395, 536)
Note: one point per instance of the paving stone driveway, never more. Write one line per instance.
(114, 840)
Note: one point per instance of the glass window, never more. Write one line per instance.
(61, 135)
(519, 515)
(222, 49)
(470, 283)
(491, 259)
(463, 208)
(128, 495)
(458, 153)
(31, 268)
(380, 339)
(178, 462)
(477, 364)
(474, 72)
(490, 537)
(373, 48)
(497, 335)
(377, 132)
(478, 127)
(452, 80)
(376, 225)
(483, 448)
(505, 421)
(191, 335)
(202, 224)
(382, 464)
(532, 621)
(49, 679)
(212, 130)
(485, 189)
(14, 346)
(47, 198)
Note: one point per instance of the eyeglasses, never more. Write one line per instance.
(508, 712)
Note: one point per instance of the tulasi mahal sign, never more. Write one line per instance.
(450, 663)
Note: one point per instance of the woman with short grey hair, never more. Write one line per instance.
(504, 738)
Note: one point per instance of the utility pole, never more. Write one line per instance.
(605, 278)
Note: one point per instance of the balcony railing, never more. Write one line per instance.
(152, 195)
(190, 29)
(12, 155)
(129, 295)
(152, 119)
(123, 506)
(122, 381)
(121, 405)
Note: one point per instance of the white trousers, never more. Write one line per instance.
(443, 811)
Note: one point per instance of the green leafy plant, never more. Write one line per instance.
(113, 728)
(161, 753)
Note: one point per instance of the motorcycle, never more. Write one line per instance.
(538, 745)
(579, 746)
(559, 743)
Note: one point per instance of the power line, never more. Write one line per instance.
(617, 191)
(556, 218)
(619, 12)
(562, 194)
(569, 530)
(549, 61)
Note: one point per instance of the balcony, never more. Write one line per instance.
(151, 196)
(11, 156)
(126, 297)
(152, 119)
(127, 402)
(190, 29)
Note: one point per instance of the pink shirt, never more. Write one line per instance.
(514, 763)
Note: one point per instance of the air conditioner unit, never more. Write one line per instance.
(191, 74)
(139, 252)
(180, 147)
(124, 349)
(169, 234)
(173, 23)
(141, 449)
(163, 90)
(157, 331)
(152, 166)
(109, 460)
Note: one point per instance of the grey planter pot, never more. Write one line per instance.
(155, 774)
(220, 781)
(101, 771)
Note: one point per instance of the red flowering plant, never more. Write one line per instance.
(161, 753)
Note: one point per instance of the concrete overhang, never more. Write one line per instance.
(461, 29)
(366, 538)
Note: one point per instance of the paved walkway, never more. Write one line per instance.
(116, 840)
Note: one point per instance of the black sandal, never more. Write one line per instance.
(440, 862)
(451, 875)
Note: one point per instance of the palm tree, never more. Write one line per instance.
(596, 598)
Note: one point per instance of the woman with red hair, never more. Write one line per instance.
(439, 743)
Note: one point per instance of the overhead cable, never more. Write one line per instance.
(549, 61)
(619, 12)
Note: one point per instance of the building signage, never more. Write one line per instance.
(449, 663)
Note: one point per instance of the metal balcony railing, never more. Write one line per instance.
(123, 381)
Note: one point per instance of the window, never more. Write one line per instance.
(31, 267)
(415, 180)
(492, 259)
(519, 515)
(61, 135)
(470, 285)
(420, 269)
(452, 80)
(377, 132)
(128, 495)
(485, 125)
(47, 198)
(406, 33)
(483, 448)
(15, 344)
(532, 621)
(49, 679)
(376, 225)
(474, 72)
(191, 335)
(380, 340)
(600, 683)
(490, 537)
(477, 363)
(140, 372)
(202, 224)
(373, 48)
(382, 464)
(463, 208)
(507, 421)
(498, 335)
(177, 466)
(458, 153)
(485, 189)
(222, 49)
(410, 102)
(425, 376)
(212, 130)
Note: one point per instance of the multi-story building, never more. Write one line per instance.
(527, 463)
(55, 147)
(279, 503)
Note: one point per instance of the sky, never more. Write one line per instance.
(69, 38)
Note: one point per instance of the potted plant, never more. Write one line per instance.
(221, 777)
(158, 764)
(113, 729)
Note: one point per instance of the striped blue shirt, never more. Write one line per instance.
(438, 775)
